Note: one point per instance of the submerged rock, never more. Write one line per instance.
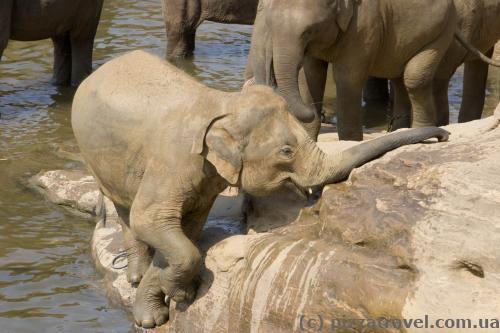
(74, 189)
(415, 233)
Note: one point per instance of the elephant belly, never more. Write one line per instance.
(41, 19)
(230, 11)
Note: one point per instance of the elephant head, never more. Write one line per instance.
(257, 145)
(286, 29)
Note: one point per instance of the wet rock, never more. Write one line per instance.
(414, 233)
(74, 189)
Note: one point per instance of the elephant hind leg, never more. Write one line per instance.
(442, 102)
(138, 253)
(62, 60)
(402, 106)
(182, 18)
(180, 44)
(5, 24)
(474, 89)
(418, 78)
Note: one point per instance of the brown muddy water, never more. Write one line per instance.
(47, 281)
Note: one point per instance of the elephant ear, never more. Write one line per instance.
(345, 11)
(221, 149)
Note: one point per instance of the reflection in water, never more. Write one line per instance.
(47, 283)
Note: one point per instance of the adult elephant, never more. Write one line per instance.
(379, 38)
(479, 23)
(71, 25)
(183, 17)
(162, 146)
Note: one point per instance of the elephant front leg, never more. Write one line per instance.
(150, 309)
(160, 227)
(81, 59)
(315, 72)
(349, 110)
(62, 60)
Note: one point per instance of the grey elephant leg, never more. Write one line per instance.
(5, 17)
(441, 101)
(62, 60)
(162, 278)
(418, 78)
(349, 110)
(180, 44)
(150, 309)
(402, 106)
(315, 72)
(376, 90)
(82, 46)
(182, 18)
(81, 59)
(164, 233)
(474, 89)
(138, 253)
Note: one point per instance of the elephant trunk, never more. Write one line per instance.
(336, 168)
(287, 62)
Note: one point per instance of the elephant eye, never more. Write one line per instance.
(286, 151)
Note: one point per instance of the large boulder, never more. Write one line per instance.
(413, 235)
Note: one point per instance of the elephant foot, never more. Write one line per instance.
(150, 309)
(179, 292)
(136, 269)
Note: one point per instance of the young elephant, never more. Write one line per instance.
(72, 26)
(162, 146)
(183, 17)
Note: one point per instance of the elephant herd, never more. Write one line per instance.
(163, 178)
(417, 44)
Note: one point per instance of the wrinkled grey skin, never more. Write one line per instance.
(70, 24)
(479, 22)
(380, 38)
(182, 18)
(162, 146)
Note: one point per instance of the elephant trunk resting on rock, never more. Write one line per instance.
(163, 146)
(72, 25)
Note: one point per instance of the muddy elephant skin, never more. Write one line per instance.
(183, 17)
(162, 146)
(71, 25)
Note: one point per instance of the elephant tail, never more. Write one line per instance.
(471, 48)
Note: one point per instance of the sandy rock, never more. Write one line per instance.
(75, 189)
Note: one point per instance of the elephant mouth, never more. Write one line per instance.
(306, 193)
